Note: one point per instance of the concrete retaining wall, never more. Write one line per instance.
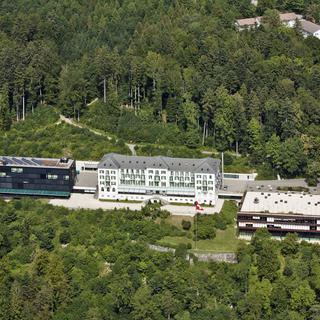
(208, 257)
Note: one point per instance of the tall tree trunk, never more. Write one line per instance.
(17, 111)
(23, 105)
(154, 84)
(139, 96)
(204, 132)
(104, 90)
(40, 93)
(131, 97)
(116, 85)
(135, 100)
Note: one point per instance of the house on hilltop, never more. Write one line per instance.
(310, 29)
(288, 19)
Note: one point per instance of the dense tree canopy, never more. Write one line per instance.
(57, 263)
(176, 71)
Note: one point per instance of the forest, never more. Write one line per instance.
(177, 71)
(64, 264)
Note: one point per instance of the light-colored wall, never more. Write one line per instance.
(184, 194)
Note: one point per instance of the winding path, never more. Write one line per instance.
(98, 133)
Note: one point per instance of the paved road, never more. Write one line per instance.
(87, 201)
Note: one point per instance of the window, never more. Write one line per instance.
(2, 174)
(52, 176)
(150, 171)
(66, 178)
(163, 172)
(198, 176)
(17, 170)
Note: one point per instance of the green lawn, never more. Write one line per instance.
(225, 241)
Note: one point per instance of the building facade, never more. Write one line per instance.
(280, 213)
(170, 179)
(36, 176)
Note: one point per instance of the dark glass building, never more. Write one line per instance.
(37, 176)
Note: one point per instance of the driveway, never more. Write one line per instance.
(87, 201)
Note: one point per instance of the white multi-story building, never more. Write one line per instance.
(138, 178)
(280, 213)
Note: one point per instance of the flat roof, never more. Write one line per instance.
(35, 162)
(281, 203)
(87, 179)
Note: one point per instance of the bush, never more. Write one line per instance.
(186, 225)
(181, 251)
(65, 237)
(205, 226)
(296, 189)
(220, 222)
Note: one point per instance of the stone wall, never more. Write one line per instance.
(216, 257)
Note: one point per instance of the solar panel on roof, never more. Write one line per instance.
(8, 160)
(27, 161)
(18, 161)
(38, 162)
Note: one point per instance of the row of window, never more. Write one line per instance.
(49, 176)
(132, 182)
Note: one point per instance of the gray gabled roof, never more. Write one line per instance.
(117, 161)
(309, 27)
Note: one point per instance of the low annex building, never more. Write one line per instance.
(280, 213)
(288, 19)
(310, 29)
(24, 176)
(140, 178)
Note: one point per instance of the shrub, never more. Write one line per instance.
(65, 237)
(181, 250)
(205, 227)
(186, 225)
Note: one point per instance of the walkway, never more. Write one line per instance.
(96, 132)
(87, 201)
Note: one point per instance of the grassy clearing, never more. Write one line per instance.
(225, 240)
